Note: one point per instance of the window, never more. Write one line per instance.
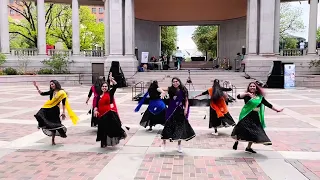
(11, 12)
(94, 10)
(100, 10)
(101, 20)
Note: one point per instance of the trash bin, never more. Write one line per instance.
(237, 65)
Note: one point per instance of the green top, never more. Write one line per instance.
(251, 105)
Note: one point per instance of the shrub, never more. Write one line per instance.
(58, 63)
(10, 71)
(45, 71)
(2, 59)
(314, 63)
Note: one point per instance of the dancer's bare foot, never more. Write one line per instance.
(53, 143)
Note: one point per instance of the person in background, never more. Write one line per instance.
(179, 58)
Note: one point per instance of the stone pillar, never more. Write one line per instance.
(75, 28)
(4, 30)
(267, 23)
(129, 27)
(106, 28)
(115, 22)
(247, 27)
(277, 27)
(41, 28)
(253, 27)
(313, 27)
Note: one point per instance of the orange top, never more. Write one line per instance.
(220, 107)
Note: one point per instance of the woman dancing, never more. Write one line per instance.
(177, 127)
(219, 114)
(156, 112)
(96, 90)
(110, 131)
(48, 116)
(250, 127)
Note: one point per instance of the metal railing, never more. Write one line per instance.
(137, 90)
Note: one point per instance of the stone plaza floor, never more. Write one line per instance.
(26, 153)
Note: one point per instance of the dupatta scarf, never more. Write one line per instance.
(56, 99)
(250, 106)
(156, 106)
(175, 103)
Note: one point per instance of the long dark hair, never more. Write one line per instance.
(259, 89)
(97, 85)
(217, 93)
(57, 85)
(172, 90)
(152, 90)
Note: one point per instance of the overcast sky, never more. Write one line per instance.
(185, 32)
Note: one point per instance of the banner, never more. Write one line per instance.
(289, 76)
(144, 57)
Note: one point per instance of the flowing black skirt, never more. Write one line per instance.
(250, 130)
(110, 131)
(225, 121)
(177, 127)
(150, 119)
(94, 120)
(49, 121)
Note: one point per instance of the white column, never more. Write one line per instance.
(115, 17)
(75, 28)
(106, 28)
(277, 27)
(4, 30)
(313, 27)
(41, 28)
(253, 30)
(267, 14)
(247, 27)
(129, 27)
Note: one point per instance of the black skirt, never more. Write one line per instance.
(177, 127)
(94, 120)
(110, 131)
(49, 121)
(150, 119)
(225, 121)
(250, 129)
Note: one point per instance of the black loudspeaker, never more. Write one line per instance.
(276, 79)
(165, 67)
(117, 73)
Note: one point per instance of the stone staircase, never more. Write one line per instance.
(202, 79)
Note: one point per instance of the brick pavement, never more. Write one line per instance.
(295, 141)
(164, 167)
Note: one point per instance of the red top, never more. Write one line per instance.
(104, 105)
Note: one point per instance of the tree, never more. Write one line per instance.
(205, 38)
(290, 20)
(58, 23)
(168, 39)
(318, 34)
(289, 42)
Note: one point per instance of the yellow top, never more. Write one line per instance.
(57, 98)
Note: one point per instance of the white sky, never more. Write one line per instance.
(185, 32)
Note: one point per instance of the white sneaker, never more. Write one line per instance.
(215, 133)
(179, 149)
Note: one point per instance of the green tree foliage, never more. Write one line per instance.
(318, 34)
(289, 42)
(290, 20)
(58, 22)
(205, 38)
(168, 39)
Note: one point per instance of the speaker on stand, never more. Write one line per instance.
(117, 74)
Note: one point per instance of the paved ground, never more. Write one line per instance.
(25, 153)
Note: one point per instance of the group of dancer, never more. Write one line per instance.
(173, 117)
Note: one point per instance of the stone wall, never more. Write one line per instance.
(232, 36)
(147, 37)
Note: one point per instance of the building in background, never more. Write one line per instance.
(98, 11)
